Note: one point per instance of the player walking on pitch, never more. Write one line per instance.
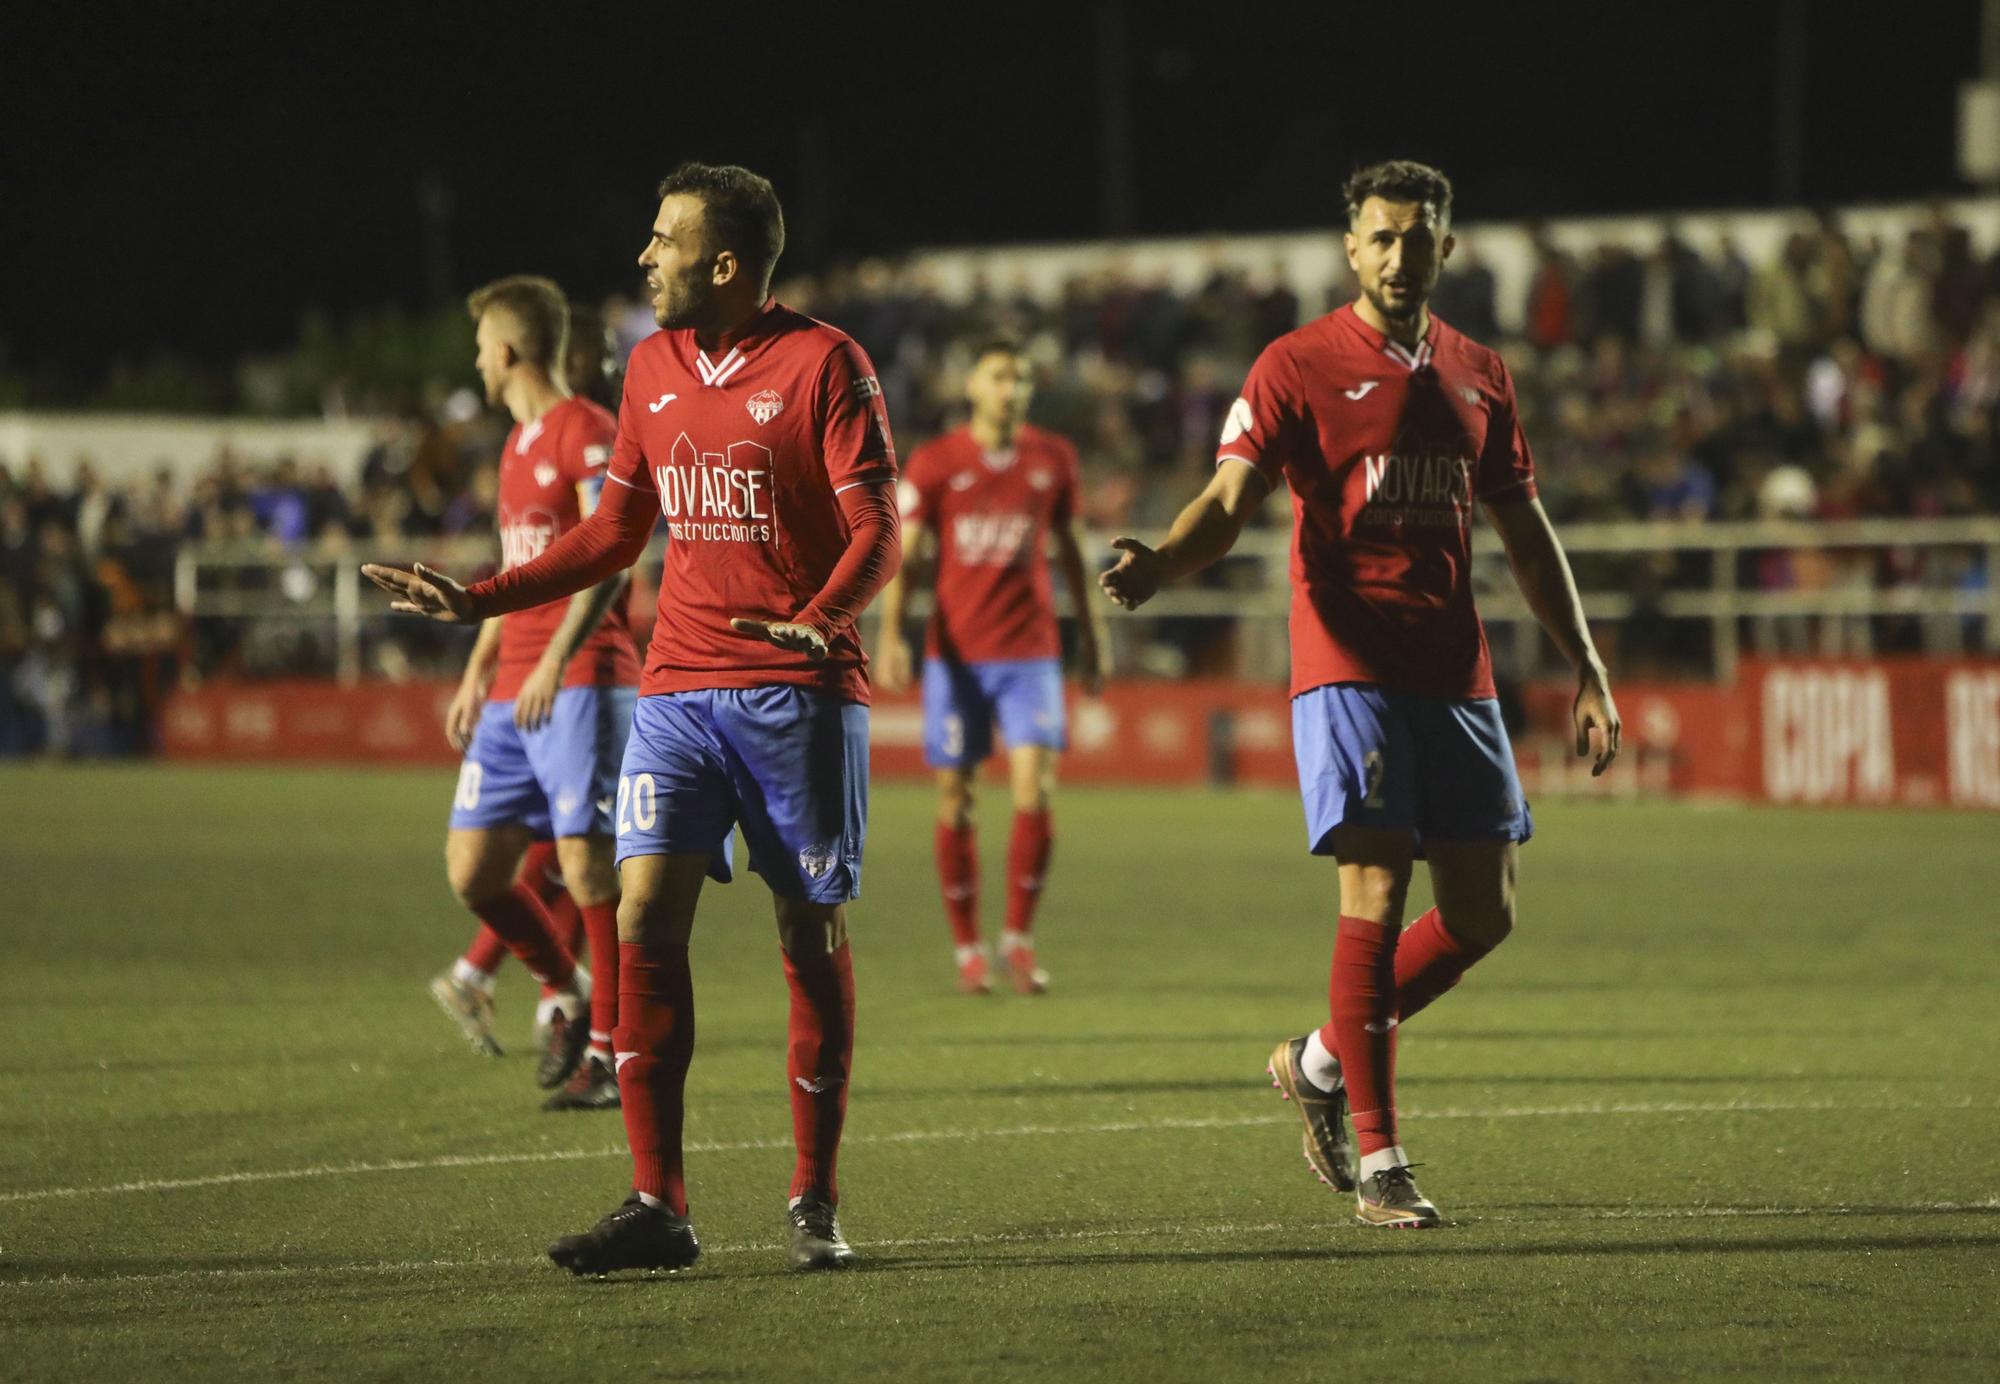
(1387, 425)
(542, 711)
(981, 505)
(760, 435)
(464, 990)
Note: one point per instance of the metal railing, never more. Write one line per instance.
(1952, 587)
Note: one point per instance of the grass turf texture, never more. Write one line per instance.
(1726, 1105)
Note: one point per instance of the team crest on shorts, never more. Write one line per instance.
(765, 406)
(816, 861)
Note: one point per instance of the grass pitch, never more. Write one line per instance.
(1727, 1105)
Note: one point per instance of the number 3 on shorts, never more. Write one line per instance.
(1371, 764)
(638, 805)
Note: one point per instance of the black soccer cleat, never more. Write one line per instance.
(592, 1086)
(635, 1236)
(1328, 1149)
(563, 1044)
(816, 1241)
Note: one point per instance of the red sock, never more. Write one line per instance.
(654, 1042)
(818, 1057)
(958, 877)
(1429, 961)
(600, 921)
(541, 872)
(1362, 1032)
(1028, 848)
(486, 951)
(523, 924)
(566, 919)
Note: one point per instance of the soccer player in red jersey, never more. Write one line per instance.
(1387, 425)
(760, 435)
(988, 498)
(543, 708)
(465, 991)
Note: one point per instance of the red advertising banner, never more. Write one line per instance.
(1884, 732)
(1891, 732)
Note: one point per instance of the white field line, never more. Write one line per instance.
(1026, 1238)
(913, 1136)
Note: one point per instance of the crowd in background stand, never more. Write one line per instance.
(1846, 378)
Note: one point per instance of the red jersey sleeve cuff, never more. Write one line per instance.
(1250, 462)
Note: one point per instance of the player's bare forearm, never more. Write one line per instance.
(485, 654)
(1202, 533)
(1542, 571)
(911, 577)
(1069, 561)
(587, 610)
(1205, 531)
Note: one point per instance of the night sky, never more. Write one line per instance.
(193, 178)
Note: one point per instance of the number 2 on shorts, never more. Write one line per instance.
(1371, 764)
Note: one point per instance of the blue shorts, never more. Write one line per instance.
(962, 701)
(555, 780)
(790, 764)
(1395, 761)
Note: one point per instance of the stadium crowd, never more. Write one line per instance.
(1848, 377)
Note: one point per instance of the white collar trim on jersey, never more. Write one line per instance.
(1403, 355)
(718, 372)
(527, 437)
(1001, 460)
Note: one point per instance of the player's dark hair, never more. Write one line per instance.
(538, 307)
(741, 209)
(996, 345)
(1399, 180)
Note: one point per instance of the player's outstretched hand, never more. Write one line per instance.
(894, 663)
(422, 591)
(800, 639)
(1136, 577)
(1597, 724)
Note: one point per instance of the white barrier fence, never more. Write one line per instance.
(1950, 588)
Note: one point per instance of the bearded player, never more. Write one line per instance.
(1387, 425)
(981, 506)
(760, 435)
(543, 709)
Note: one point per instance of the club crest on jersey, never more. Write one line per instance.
(765, 406)
(1041, 480)
(816, 861)
(1469, 394)
(545, 474)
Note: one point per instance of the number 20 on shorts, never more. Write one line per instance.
(638, 803)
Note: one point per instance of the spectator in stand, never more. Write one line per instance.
(1551, 295)
(1467, 297)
